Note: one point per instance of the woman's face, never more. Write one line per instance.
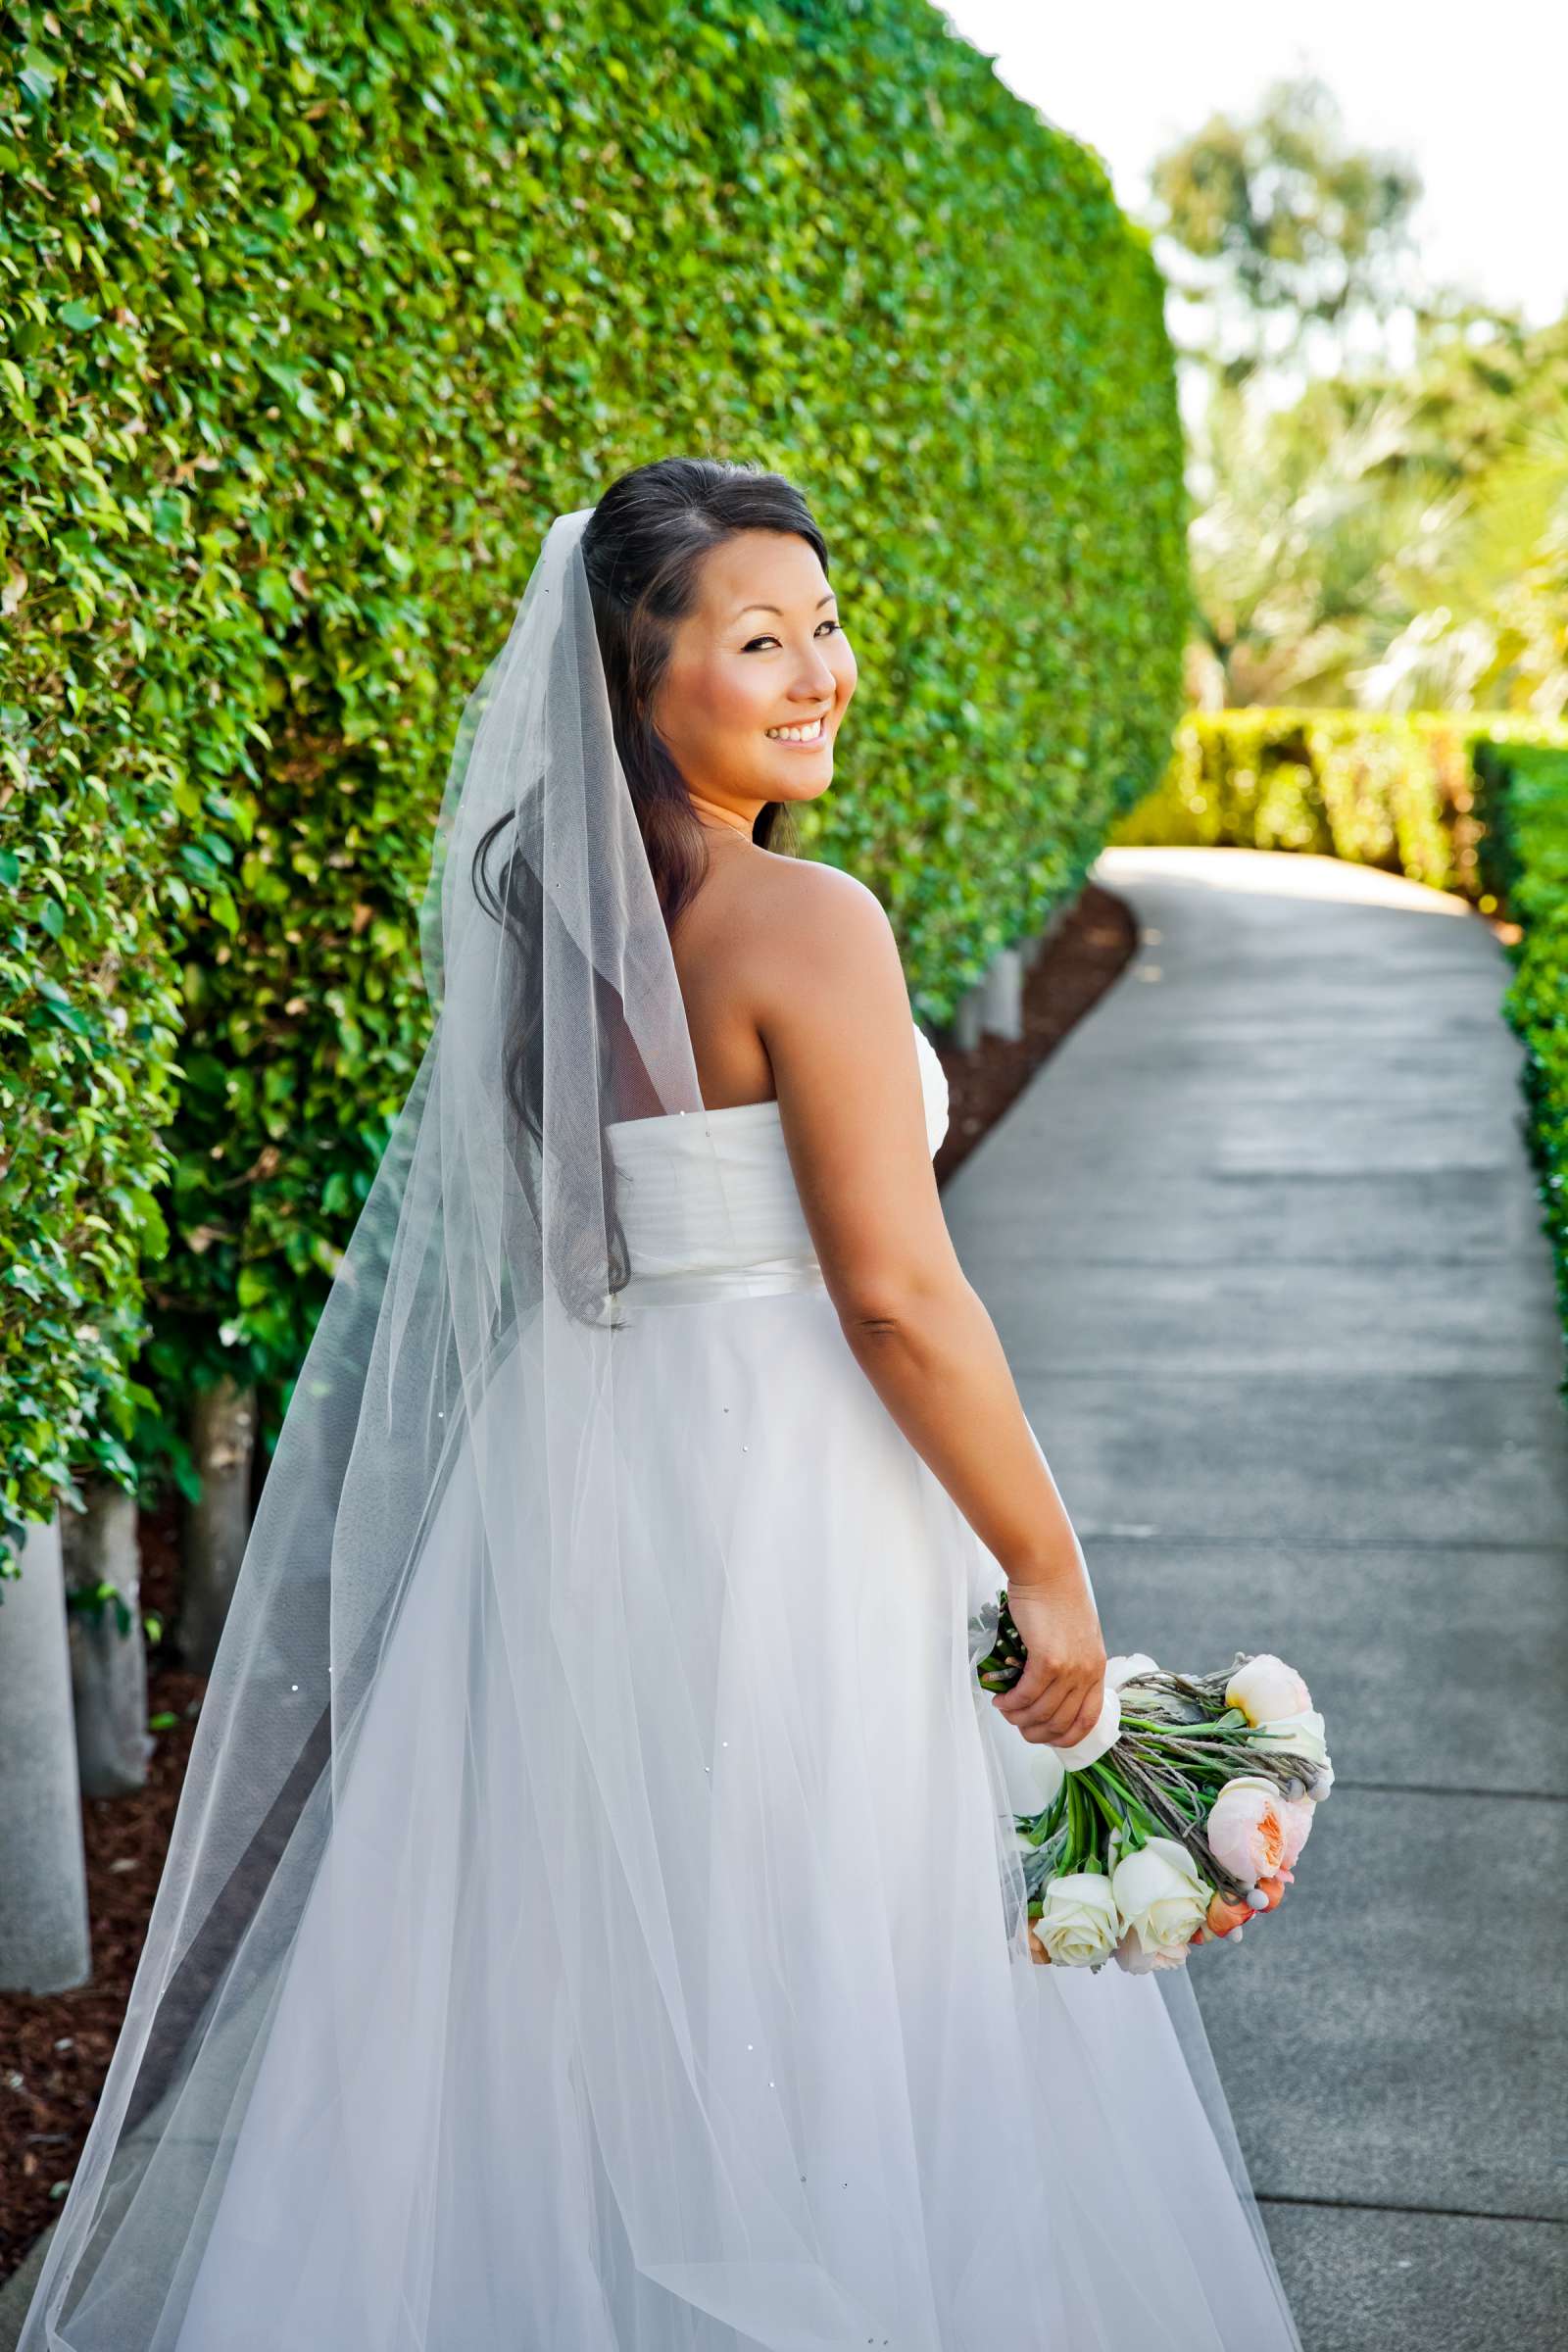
(738, 672)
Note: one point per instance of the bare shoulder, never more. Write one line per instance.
(824, 987)
(779, 960)
(810, 928)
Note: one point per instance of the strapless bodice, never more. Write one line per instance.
(708, 1205)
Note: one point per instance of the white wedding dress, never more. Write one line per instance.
(806, 2091)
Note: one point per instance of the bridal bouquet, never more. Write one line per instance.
(1178, 1818)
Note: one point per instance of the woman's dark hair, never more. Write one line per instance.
(642, 547)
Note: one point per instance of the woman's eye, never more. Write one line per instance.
(767, 637)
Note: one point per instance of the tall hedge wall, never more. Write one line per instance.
(87, 1021)
(313, 319)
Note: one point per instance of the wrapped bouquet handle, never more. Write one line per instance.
(1178, 1818)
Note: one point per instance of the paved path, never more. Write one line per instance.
(1262, 1244)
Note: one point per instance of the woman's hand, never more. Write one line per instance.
(1057, 1698)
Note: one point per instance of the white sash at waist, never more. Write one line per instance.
(688, 1285)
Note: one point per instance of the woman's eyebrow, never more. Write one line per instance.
(820, 602)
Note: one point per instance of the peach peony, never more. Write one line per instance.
(1298, 1816)
(1246, 1830)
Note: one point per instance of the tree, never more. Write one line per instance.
(1367, 529)
(1285, 229)
(1397, 541)
(1312, 542)
(1491, 631)
(44, 1942)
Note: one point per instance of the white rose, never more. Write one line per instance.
(1297, 1734)
(1094, 1744)
(1266, 1687)
(1159, 1896)
(1078, 1922)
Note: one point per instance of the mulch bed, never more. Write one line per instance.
(1096, 939)
(55, 2048)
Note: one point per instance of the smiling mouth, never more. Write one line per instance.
(810, 732)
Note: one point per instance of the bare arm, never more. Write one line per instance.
(832, 1007)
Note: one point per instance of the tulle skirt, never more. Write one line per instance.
(656, 1991)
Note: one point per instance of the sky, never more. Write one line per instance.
(1473, 98)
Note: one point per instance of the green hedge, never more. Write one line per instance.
(87, 1022)
(1398, 792)
(315, 319)
(1525, 868)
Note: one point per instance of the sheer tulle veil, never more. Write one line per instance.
(493, 1912)
(492, 1215)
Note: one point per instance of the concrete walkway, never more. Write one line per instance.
(1262, 1244)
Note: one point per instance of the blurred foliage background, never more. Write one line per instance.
(1377, 466)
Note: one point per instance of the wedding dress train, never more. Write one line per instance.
(804, 2090)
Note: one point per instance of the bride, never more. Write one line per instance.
(594, 1920)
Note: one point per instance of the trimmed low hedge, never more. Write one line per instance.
(317, 320)
(1399, 792)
